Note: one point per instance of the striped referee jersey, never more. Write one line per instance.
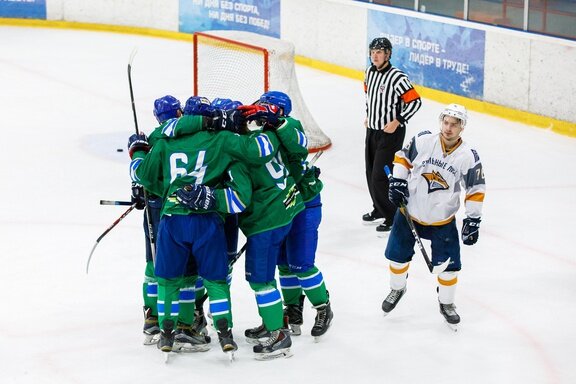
(389, 96)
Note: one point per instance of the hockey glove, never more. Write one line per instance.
(470, 229)
(138, 142)
(225, 120)
(313, 171)
(196, 197)
(138, 196)
(264, 113)
(398, 191)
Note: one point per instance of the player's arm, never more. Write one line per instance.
(256, 148)
(145, 168)
(292, 137)
(475, 187)
(233, 197)
(236, 194)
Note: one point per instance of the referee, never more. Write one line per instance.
(391, 101)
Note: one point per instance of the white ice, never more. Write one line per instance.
(65, 110)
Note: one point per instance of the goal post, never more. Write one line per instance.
(242, 66)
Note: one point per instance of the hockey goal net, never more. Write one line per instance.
(242, 66)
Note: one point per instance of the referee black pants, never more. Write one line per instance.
(379, 151)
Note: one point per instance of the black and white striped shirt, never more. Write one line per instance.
(389, 96)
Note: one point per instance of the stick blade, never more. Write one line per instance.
(440, 268)
(90, 257)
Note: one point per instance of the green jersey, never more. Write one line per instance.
(202, 158)
(294, 141)
(275, 199)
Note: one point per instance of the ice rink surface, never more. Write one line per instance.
(65, 109)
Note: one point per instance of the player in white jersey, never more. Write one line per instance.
(429, 174)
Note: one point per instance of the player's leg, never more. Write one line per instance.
(261, 258)
(446, 244)
(151, 328)
(209, 249)
(399, 252)
(171, 258)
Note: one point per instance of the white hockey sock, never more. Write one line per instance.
(447, 287)
(398, 275)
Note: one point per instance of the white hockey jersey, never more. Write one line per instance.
(436, 178)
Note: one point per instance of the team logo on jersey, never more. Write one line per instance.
(435, 181)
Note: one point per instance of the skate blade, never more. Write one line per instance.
(294, 329)
(252, 341)
(168, 356)
(190, 348)
(373, 223)
(151, 339)
(383, 235)
(283, 353)
(230, 355)
(452, 327)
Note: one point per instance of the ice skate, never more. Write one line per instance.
(226, 338)
(372, 218)
(276, 346)
(200, 324)
(450, 315)
(187, 339)
(253, 335)
(323, 320)
(293, 316)
(166, 342)
(383, 229)
(392, 300)
(151, 329)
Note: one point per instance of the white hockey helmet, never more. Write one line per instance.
(455, 110)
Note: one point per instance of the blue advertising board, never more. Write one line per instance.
(23, 9)
(258, 16)
(436, 55)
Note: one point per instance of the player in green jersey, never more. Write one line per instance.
(169, 165)
(266, 223)
(296, 266)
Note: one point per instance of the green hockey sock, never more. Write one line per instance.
(312, 283)
(200, 292)
(269, 304)
(187, 299)
(290, 285)
(168, 295)
(150, 289)
(219, 296)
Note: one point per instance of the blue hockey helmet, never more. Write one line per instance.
(197, 105)
(166, 107)
(279, 99)
(225, 103)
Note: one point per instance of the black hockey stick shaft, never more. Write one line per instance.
(115, 202)
(106, 232)
(404, 210)
(151, 236)
(237, 255)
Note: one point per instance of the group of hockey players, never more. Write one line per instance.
(207, 171)
(423, 191)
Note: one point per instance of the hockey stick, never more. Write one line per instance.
(237, 255)
(115, 202)
(106, 232)
(316, 157)
(433, 269)
(151, 237)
